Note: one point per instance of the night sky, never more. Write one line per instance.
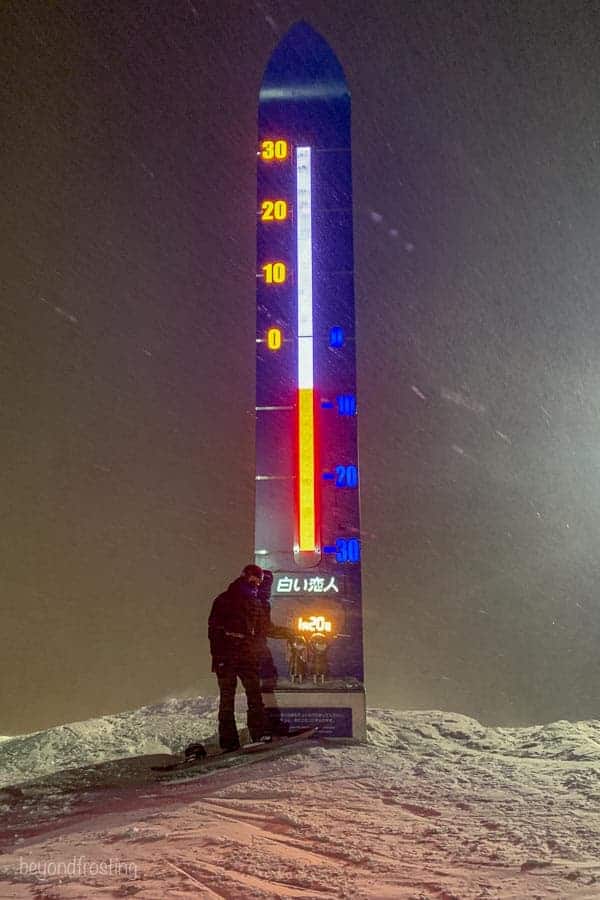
(127, 342)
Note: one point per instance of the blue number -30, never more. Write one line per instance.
(347, 550)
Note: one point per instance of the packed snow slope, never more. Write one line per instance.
(434, 805)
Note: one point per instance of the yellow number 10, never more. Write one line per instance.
(273, 209)
(275, 273)
(274, 150)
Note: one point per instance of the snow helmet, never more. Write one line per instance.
(253, 570)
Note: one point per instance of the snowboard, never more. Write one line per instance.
(206, 762)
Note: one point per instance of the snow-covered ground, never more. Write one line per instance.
(434, 805)
(163, 728)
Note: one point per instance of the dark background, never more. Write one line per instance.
(127, 346)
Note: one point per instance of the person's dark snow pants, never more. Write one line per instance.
(248, 675)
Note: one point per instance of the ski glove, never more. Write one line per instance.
(219, 666)
(264, 590)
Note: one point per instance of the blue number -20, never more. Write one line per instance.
(346, 476)
(347, 550)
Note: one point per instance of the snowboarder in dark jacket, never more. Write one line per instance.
(238, 627)
(266, 629)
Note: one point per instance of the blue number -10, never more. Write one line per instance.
(347, 551)
(346, 404)
(346, 476)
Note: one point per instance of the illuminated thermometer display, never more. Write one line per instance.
(307, 468)
(307, 515)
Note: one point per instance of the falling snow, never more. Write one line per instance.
(127, 344)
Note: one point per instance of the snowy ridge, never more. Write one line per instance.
(434, 805)
(161, 728)
(443, 732)
(168, 726)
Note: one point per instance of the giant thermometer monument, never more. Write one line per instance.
(307, 473)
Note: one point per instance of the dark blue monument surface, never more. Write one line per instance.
(307, 472)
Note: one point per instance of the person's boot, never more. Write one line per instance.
(228, 737)
(280, 729)
(195, 751)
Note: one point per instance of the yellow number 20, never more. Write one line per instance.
(275, 273)
(273, 209)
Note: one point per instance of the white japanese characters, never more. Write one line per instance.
(288, 584)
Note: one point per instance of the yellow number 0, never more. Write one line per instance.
(274, 338)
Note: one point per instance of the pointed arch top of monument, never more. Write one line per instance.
(303, 67)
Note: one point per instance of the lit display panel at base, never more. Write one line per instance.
(306, 504)
(307, 468)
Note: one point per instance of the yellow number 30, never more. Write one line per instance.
(274, 150)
